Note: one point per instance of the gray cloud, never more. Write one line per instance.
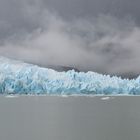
(34, 32)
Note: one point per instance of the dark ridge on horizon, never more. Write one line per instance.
(61, 68)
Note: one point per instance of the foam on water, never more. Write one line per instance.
(20, 78)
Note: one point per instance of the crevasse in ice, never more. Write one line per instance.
(20, 78)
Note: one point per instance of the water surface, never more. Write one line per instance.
(69, 118)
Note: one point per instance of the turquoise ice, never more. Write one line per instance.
(17, 77)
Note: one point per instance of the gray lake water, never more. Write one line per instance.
(71, 118)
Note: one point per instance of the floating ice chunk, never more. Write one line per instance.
(105, 98)
(11, 96)
(20, 78)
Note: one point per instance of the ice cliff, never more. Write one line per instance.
(20, 78)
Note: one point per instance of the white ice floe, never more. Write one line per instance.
(11, 96)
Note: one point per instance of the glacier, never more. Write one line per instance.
(17, 77)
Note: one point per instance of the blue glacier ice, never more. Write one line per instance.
(17, 77)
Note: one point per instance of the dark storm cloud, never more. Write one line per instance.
(90, 8)
(98, 35)
(24, 15)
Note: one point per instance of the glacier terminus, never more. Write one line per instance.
(17, 77)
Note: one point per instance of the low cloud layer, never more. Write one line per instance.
(102, 43)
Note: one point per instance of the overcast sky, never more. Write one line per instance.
(97, 35)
